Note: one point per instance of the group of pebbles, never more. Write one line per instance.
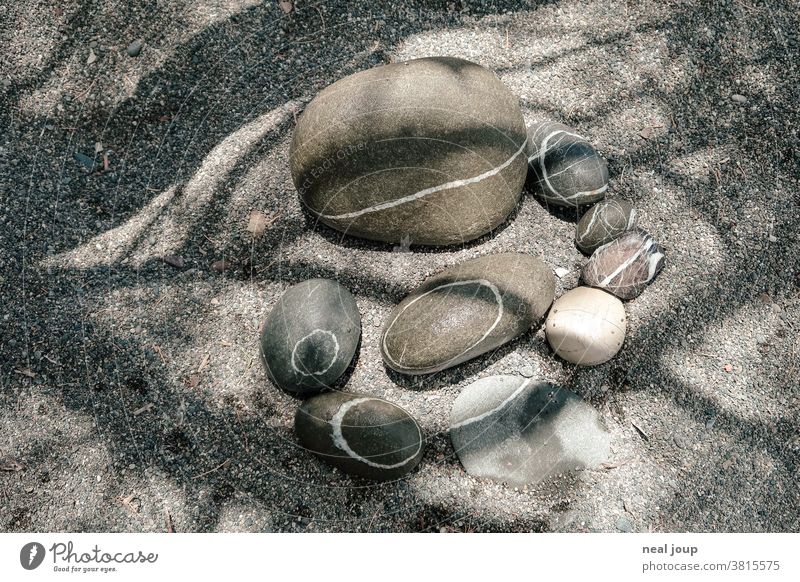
(436, 151)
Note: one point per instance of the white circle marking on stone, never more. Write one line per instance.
(483, 282)
(427, 191)
(341, 443)
(306, 338)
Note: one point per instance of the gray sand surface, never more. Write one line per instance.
(131, 394)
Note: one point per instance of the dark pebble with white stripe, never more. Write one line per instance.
(467, 310)
(361, 435)
(310, 337)
(626, 265)
(569, 170)
(429, 151)
(604, 222)
(521, 430)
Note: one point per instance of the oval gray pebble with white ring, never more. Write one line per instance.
(361, 435)
(604, 222)
(310, 337)
(569, 170)
(626, 265)
(521, 430)
(429, 151)
(467, 310)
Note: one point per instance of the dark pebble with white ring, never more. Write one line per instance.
(361, 435)
(310, 337)
(570, 172)
(467, 310)
(604, 222)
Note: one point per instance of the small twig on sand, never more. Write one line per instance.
(146, 408)
(641, 432)
(160, 353)
(51, 360)
(225, 463)
(203, 363)
(168, 522)
(614, 464)
(322, 18)
(241, 427)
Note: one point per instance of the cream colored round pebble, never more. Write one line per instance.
(586, 326)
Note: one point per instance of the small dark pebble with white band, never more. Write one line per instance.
(569, 170)
(604, 222)
(626, 265)
(361, 435)
(310, 337)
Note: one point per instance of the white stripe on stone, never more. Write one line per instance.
(498, 408)
(422, 193)
(341, 443)
(628, 262)
(304, 372)
(541, 155)
(588, 228)
(483, 282)
(631, 219)
(652, 265)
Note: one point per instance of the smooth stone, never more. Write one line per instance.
(681, 441)
(361, 435)
(467, 310)
(520, 431)
(134, 48)
(624, 525)
(626, 265)
(570, 172)
(429, 151)
(586, 326)
(309, 338)
(604, 222)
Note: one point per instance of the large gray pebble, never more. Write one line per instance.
(520, 430)
(429, 151)
(467, 310)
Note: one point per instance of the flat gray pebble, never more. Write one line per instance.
(134, 48)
